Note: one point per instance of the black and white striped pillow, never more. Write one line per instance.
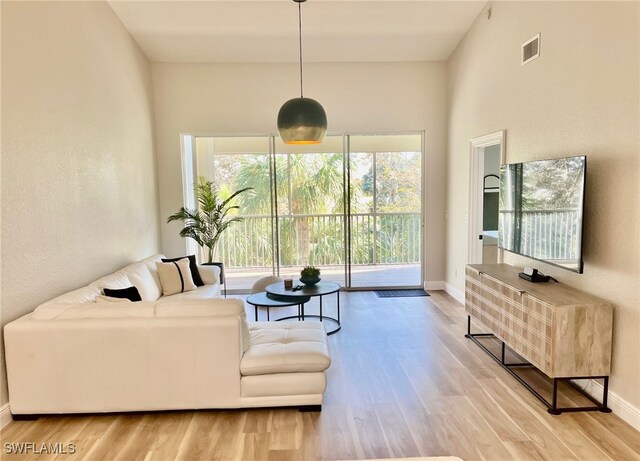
(175, 277)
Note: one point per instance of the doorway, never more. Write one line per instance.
(487, 154)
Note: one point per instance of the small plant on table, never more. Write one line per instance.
(310, 275)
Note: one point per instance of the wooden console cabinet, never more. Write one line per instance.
(563, 332)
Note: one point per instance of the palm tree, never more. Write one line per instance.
(255, 171)
(306, 184)
(206, 224)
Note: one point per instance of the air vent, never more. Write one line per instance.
(530, 49)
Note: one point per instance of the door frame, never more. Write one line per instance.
(476, 185)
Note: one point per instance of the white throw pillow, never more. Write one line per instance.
(175, 277)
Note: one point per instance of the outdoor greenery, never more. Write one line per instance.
(310, 205)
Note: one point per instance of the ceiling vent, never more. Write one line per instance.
(530, 49)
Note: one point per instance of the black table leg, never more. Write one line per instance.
(256, 314)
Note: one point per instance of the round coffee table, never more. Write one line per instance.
(263, 299)
(320, 289)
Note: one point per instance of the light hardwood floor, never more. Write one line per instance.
(404, 382)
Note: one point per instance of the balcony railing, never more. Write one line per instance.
(546, 234)
(319, 239)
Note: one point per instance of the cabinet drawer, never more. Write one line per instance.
(481, 304)
(537, 317)
(520, 320)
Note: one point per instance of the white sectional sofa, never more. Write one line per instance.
(191, 350)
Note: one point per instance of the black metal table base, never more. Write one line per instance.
(552, 407)
(302, 316)
(330, 319)
(299, 316)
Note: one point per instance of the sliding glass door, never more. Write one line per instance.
(350, 206)
(385, 211)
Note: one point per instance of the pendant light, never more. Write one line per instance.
(302, 120)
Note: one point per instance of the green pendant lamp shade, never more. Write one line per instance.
(302, 120)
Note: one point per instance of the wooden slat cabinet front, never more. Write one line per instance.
(562, 331)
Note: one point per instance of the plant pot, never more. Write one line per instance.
(310, 281)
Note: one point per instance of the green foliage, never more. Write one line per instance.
(310, 271)
(398, 187)
(310, 206)
(206, 224)
(541, 180)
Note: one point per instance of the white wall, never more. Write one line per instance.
(79, 192)
(245, 99)
(579, 97)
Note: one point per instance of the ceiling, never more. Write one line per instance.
(267, 30)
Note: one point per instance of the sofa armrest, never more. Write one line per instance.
(210, 274)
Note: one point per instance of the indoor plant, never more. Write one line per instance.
(310, 275)
(206, 224)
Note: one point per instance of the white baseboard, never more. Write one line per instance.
(431, 285)
(623, 409)
(5, 415)
(453, 291)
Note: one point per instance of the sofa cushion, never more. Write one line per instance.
(167, 307)
(175, 277)
(205, 292)
(171, 307)
(140, 277)
(113, 281)
(101, 299)
(95, 310)
(193, 267)
(109, 311)
(81, 295)
(283, 384)
(150, 262)
(278, 347)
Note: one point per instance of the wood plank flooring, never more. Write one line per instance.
(404, 382)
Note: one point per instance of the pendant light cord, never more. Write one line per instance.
(300, 42)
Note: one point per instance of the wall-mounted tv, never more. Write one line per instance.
(541, 210)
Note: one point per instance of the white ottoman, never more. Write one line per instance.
(288, 357)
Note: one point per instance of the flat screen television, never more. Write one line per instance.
(541, 208)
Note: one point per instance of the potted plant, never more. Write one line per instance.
(206, 224)
(310, 275)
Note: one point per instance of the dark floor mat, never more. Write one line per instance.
(400, 293)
